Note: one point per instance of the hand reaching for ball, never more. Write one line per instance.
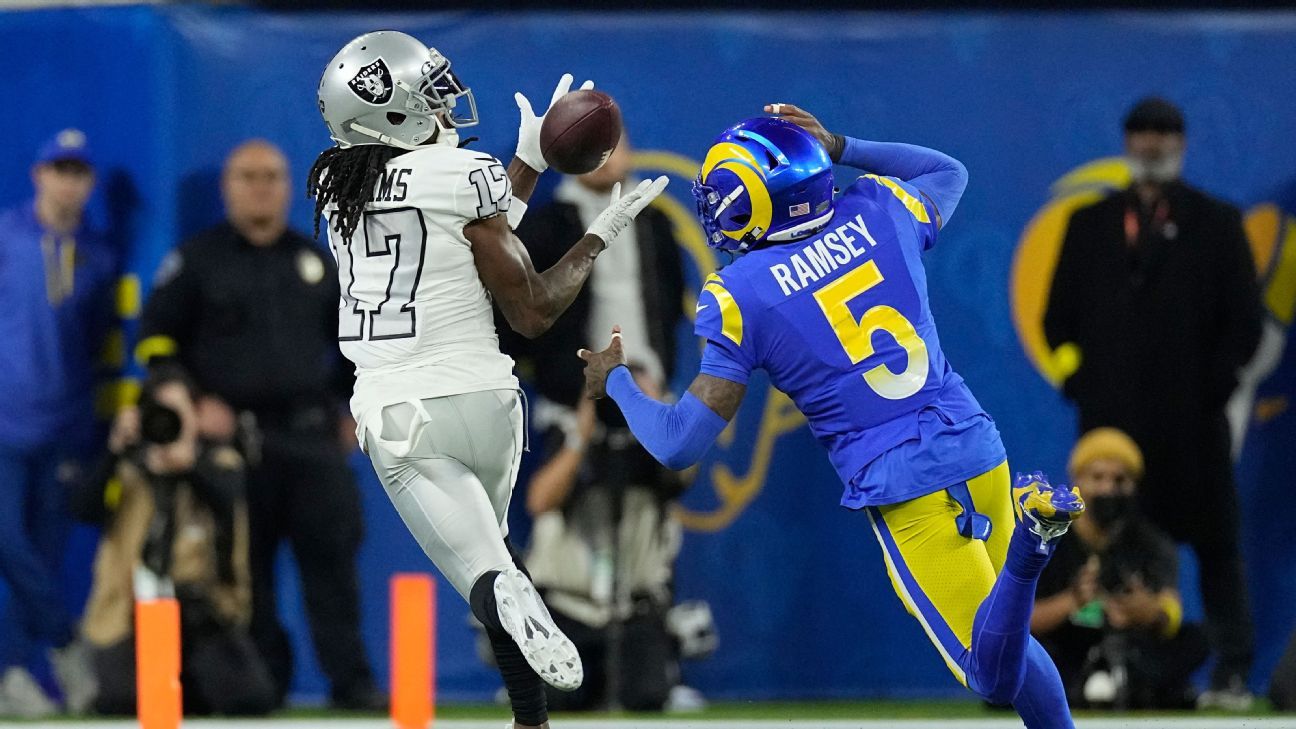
(528, 148)
(621, 211)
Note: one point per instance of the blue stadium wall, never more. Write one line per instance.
(798, 587)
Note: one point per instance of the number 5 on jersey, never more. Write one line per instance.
(856, 337)
(386, 263)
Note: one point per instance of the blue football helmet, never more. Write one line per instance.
(763, 180)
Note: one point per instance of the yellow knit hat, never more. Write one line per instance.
(1106, 443)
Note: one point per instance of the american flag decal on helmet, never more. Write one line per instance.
(799, 209)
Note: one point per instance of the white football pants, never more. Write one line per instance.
(449, 465)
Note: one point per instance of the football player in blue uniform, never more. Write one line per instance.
(829, 297)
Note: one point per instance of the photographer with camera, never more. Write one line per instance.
(173, 512)
(602, 552)
(605, 540)
(1107, 606)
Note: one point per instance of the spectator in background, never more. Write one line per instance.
(56, 284)
(1108, 609)
(604, 543)
(250, 309)
(1282, 685)
(1155, 299)
(174, 504)
(638, 283)
(602, 554)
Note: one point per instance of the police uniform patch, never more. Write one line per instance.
(168, 269)
(310, 268)
(373, 83)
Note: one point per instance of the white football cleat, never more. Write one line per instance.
(24, 697)
(75, 676)
(550, 653)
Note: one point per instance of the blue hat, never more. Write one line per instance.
(69, 144)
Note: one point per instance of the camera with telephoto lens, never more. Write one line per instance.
(1121, 566)
(159, 424)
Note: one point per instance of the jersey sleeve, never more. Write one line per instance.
(483, 189)
(904, 202)
(730, 353)
(172, 308)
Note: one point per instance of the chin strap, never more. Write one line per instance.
(441, 134)
(382, 138)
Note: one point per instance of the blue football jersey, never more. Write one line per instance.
(841, 323)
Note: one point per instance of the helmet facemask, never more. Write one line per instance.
(719, 212)
(443, 90)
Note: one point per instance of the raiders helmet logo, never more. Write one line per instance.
(373, 83)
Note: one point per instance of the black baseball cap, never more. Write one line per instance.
(1154, 114)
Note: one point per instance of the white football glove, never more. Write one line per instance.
(621, 212)
(528, 148)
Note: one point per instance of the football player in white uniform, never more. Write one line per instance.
(422, 231)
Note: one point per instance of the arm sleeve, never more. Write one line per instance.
(219, 482)
(169, 315)
(1240, 315)
(86, 497)
(937, 176)
(676, 435)
(1163, 563)
(342, 381)
(1060, 311)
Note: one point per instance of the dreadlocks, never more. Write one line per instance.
(346, 177)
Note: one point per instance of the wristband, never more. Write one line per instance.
(1173, 610)
(516, 210)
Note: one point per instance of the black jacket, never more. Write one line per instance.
(1163, 327)
(550, 360)
(256, 326)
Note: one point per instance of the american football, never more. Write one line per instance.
(580, 131)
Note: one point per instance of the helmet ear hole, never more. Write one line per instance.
(742, 218)
(395, 118)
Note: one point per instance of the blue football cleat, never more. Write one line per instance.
(1046, 510)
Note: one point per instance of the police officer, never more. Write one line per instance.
(250, 309)
(56, 284)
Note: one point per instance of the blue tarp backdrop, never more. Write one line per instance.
(798, 586)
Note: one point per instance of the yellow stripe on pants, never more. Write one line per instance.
(940, 575)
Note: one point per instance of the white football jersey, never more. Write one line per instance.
(415, 318)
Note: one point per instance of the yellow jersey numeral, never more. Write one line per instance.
(856, 337)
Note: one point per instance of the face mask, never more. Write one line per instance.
(1159, 170)
(1108, 510)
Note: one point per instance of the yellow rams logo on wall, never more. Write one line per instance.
(1271, 233)
(733, 490)
(1273, 245)
(1037, 256)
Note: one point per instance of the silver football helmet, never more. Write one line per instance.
(386, 87)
